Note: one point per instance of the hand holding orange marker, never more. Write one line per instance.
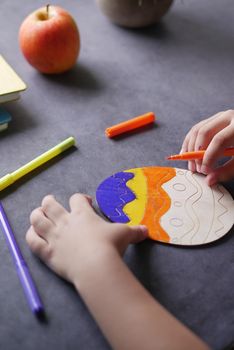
(130, 124)
(228, 152)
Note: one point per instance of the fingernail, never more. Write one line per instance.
(211, 179)
(204, 169)
(144, 230)
(191, 166)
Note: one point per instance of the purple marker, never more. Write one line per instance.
(21, 266)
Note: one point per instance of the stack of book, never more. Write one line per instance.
(11, 86)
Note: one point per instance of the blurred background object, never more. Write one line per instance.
(134, 13)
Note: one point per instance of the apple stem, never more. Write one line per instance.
(47, 10)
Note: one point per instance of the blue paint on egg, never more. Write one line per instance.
(113, 194)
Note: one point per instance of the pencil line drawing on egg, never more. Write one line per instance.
(176, 205)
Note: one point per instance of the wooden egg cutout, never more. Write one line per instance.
(176, 205)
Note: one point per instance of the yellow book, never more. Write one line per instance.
(10, 83)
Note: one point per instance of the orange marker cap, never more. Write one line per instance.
(130, 124)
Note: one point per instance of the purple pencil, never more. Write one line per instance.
(21, 266)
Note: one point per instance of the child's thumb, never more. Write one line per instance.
(137, 233)
(221, 174)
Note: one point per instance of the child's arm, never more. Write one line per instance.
(86, 250)
(213, 134)
(127, 314)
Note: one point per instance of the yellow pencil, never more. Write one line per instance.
(9, 179)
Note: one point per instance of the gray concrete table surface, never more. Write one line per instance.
(182, 69)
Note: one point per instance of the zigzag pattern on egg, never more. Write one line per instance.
(155, 198)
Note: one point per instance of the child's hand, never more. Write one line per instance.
(67, 241)
(85, 249)
(213, 134)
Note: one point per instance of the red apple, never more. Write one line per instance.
(49, 39)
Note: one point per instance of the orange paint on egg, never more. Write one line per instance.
(158, 201)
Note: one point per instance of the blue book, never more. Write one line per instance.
(5, 118)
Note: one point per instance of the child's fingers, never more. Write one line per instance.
(193, 132)
(205, 135)
(207, 132)
(195, 141)
(191, 163)
(80, 201)
(52, 208)
(125, 235)
(137, 234)
(190, 141)
(216, 147)
(184, 148)
(40, 222)
(36, 243)
(221, 174)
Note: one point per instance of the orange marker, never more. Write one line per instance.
(228, 152)
(130, 124)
